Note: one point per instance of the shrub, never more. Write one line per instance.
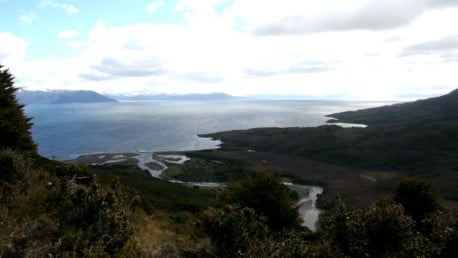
(417, 197)
(234, 230)
(44, 214)
(344, 229)
(268, 196)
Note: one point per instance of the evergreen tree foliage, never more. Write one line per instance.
(268, 196)
(14, 125)
(234, 230)
(417, 197)
(344, 229)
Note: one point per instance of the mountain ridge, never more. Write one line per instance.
(61, 97)
(175, 97)
(430, 109)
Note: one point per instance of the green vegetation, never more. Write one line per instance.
(427, 149)
(266, 194)
(14, 125)
(52, 209)
(155, 193)
(417, 197)
(60, 212)
(204, 170)
(256, 217)
(383, 229)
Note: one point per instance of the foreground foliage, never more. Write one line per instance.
(48, 208)
(63, 212)
(238, 228)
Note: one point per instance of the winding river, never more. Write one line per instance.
(155, 165)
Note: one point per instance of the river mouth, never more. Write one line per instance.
(156, 164)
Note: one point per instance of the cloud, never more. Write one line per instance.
(213, 49)
(92, 76)
(12, 48)
(67, 34)
(445, 47)
(301, 17)
(290, 70)
(28, 17)
(69, 8)
(154, 6)
(113, 67)
(204, 77)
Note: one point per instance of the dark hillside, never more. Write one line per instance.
(418, 138)
(421, 110)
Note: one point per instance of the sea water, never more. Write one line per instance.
(65, 131)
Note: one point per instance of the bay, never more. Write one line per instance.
(65, 131)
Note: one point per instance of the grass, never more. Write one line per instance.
(206, 170)
(166, 234)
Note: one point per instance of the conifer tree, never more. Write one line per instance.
(14, 125)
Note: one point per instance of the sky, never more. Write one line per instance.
(327, 49)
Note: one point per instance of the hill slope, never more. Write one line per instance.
(61, 97)
(418, 138)
(443, 107)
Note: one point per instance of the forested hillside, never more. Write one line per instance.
(431, 109)
(418, 139)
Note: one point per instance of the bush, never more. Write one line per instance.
(381, 230)
(234, 230)
(344, 229)
(417, 197)
(268, 196)
(45, 214)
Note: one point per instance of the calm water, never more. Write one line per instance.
(67, 130)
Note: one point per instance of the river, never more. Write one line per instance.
(307, 203)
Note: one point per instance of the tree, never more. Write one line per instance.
(14, 125)
(417, 197)
(380, 230)
(268, 196)
(344, 229)
(390, 233)
(234, 230)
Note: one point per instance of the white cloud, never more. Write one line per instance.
(67, 34)
(298, 16)
(28, 17)
(12, 49)
(154, 6)
(69, 8)
(215, 50)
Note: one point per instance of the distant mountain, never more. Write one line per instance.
(60, 97)
(175, 97)
(431, 109)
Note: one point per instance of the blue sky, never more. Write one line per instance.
(356, 49)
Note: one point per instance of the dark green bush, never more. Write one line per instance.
(268, 196)
(417, 197)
